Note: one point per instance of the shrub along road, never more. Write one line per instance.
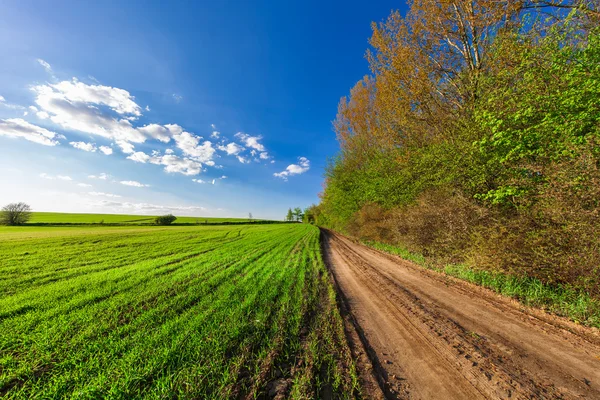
(429, 336)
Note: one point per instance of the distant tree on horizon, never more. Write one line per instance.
(290, 215)
(15, 214)
(298, 214)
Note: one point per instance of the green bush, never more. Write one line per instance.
(165, 219)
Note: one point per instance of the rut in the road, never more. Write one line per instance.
(433, 338)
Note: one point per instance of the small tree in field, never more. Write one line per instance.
(165, 219)
(290, 215)
(15, 214)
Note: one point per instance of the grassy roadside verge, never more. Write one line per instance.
(560, 300)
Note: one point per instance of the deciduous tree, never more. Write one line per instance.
(15, 214)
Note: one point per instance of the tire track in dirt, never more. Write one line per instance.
(431, 337)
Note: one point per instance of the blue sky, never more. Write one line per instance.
(206, 108)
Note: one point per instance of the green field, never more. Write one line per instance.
(169, 312)
(68, 218)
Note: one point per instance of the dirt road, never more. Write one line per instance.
(428, 336)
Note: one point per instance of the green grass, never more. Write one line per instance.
(68, 218)
(561, 300)
(168, 312)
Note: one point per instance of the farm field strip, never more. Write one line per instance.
(72, 218)
(185, 312)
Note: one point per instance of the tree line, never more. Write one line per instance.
(298, 215)
(476, 138)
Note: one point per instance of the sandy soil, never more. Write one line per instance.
(427, 336)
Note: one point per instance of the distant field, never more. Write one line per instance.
(169, 312)
(57, 218)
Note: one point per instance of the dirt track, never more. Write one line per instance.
(427, 336)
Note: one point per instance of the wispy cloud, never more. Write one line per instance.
(46, 66)
(103, 176)
(19, 128)
(133, 183)
(103, 194)
(212, 182)
(215, 133)
(53, 177)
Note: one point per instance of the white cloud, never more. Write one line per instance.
(77, 106)
(19, 128)
(212, 182)
(243, 160)
(294, 169)
(59, 177)
(2, 98)
(103, 194)
(46, 66)
(119, 100)
(231, 148)
(84, 185)
(102, 176)
(125, 146)
(190, 144)
(157, 132)
(171, 162)
(25, 113)
(139, 156)
(133, 183)
(177, 97)
(147, 108)
(174, 164)
(111, 112)
(264, 155)
(91, 147)
(251, 141)
(106, 150)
